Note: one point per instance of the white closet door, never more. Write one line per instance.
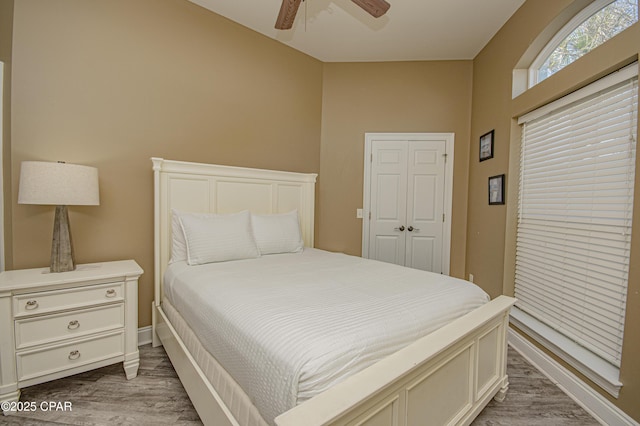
(407, 203)
(425, 205)
(388, 194)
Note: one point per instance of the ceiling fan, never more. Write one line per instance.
(289, 8)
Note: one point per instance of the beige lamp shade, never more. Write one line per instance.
(62, 185)
(59, 184)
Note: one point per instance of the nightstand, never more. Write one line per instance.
(54, 325)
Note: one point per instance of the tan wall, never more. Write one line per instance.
(112, 83)
(490, 251)
(388, 97)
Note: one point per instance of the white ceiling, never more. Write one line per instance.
(339, 31)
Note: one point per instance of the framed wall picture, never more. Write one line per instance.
(496, 189)
(486, 145)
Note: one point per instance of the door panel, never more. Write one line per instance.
(424, 196)
(389, 187)
(422, 253)
(389, 248)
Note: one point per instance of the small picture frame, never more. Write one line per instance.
(486, 145)
(496, 189)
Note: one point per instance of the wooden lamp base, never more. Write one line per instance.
(62, 256)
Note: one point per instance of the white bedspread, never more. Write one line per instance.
(289, 326)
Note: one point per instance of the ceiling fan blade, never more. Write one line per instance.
(375, 8)
(287, 14)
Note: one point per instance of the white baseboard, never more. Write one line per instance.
(594, 403)
(144, 335)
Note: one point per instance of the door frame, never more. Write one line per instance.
(448, 186)
(2, 129)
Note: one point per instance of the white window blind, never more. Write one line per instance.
(575, 210)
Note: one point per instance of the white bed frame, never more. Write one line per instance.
(444, 378)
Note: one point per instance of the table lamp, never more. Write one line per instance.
(62, 185)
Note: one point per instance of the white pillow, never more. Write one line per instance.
(178, 244)
(218, 238)
(277, 233)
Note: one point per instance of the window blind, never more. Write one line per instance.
(574, 215)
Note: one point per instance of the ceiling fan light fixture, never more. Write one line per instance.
(289, 9)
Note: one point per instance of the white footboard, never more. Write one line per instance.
(444, 378)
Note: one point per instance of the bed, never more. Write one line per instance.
(444, 377)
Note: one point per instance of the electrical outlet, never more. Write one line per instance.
(471, 277)
(358, 213)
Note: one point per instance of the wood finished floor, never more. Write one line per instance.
(156, 397)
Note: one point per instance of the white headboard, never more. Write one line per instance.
(209, 188)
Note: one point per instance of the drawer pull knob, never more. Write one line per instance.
(111, 293)
(73, 324)
(73, 355)
(31, 304)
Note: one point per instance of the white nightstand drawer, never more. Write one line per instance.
(51, 301)
(57, 327)
(58, 358)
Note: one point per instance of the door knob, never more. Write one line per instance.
(411, 228)
(399, 229)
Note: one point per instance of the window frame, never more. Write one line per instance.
(560, 36)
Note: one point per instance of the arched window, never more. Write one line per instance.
(593, 26)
